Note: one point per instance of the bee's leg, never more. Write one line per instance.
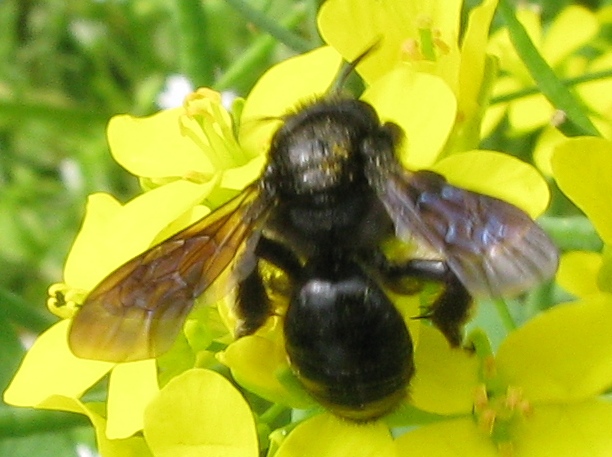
(253, 305)
(405, 277)
(451, 308)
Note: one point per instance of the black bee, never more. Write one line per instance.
(332, 192)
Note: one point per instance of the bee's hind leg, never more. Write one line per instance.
(253, 304)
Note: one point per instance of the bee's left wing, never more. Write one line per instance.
(493, 247)
(137, 311)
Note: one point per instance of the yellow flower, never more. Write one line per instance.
(596, 93)
(583, 170)
(540, 395)
(50, 375)
(572, 29)
(563, 46)
(422, 35)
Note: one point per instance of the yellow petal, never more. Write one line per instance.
(567, 430)
(473, 56)
(200, 413)
(528, 113)
(577, 272)
(156, 146)
(129, 447)
(113, 234)
(283, 88)
(544, 149)
(426, 129)
(573, 28)
(501, 46)
(238, 178)
(495, 112)
(99, 210)
(392, 24)
(604, 275)
(50, 370)
(255, 363)
(452, 438)
(371, 20)
(597, 94)
(445, 378)
(582, 168)
(530, 17)
(328, 436)
(499, 175)
(563, 354)
(132, 386)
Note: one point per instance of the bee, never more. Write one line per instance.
(330, 195)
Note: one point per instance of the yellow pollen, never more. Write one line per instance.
(486, 420)
(481, 398)
(200, 103)
(197, 177)
(489, 368)
(441, 46)
(505, 449)
(411, 51)
(497, 413)
(64, 300)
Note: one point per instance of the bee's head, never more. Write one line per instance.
(319, 148)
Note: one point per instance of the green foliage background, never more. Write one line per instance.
(65, 69)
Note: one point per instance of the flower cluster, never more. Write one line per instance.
(539, 392)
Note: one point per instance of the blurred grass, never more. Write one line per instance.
(65, 69)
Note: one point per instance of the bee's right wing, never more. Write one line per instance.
(493, 247)
(138, 310)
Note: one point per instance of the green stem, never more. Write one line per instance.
(17, 310)
(253, 56)
(306, 414)
(427, 45)
(16, 422)
(539, 299)
(479, 340)
(272, 413)
(504, 314)
(567, 82)
(577, 122)
(312, 10)
(270, 25)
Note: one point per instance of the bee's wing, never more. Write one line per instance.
(137, 311)
(493, 247)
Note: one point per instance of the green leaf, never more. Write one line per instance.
(270, 25)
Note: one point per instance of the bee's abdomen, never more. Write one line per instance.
(347, 343)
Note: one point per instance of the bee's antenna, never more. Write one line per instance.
(348, 68)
